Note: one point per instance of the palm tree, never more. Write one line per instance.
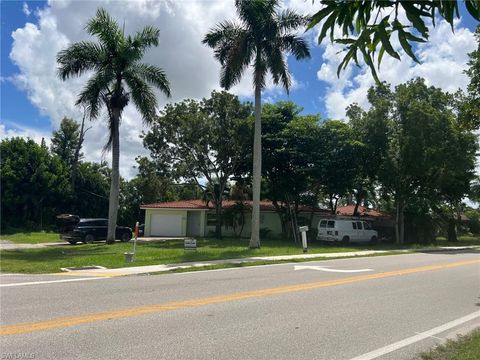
(260, 39)
(118, 77)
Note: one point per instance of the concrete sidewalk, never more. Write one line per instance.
(135, 270)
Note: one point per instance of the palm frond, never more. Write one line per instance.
(222, 33)
(94, 92)
(142, 40)
(236, 58)
(106, 29)
(79, 58)
(278, 66)
(149, 36)
(296, 45)
(142, 95)
(290, 20)
(152, 75)
(255, 13)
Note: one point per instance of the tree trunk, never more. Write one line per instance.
(400, 223)
(115, 183)
(218, 224)
(452, 230)
(257, 172)
(77, 154)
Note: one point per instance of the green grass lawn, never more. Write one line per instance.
(51, 259)
(463, 240)
(34, 237)
(463, 348)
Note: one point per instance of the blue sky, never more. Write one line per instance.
(33, 100)
(15, 106)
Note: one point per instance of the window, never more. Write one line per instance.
(323, 224)
(331, 224)
(354, 225)
(211, 219)
(359, 225)
(367, 226)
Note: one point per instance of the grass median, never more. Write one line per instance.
(52, 259)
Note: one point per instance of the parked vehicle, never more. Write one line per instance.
(346, 231)
(73, 229)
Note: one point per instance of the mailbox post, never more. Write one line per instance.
(130, 256)
(303, 230)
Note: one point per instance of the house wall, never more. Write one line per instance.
(268, 220)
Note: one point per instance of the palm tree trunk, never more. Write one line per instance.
(77, 154)
(257, 172)
(115, 184)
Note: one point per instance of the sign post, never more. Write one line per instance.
(135, 241)
(130, 256)
(303, 230)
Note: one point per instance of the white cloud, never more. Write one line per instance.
(443, 59)
(26, 10)
(9, 130)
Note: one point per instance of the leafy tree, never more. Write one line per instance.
(260, 39)
(33, 184)
(335, 165)
(118, 78)
(287, 143)
(205, 140)
(90, 195)
(429, 159)
(367, 26)
(65, 141)
(468, 105)
(371, 129)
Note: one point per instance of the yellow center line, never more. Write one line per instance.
(176, 305)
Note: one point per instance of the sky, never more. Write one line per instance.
(34, 100)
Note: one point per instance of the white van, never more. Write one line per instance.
(346, 231)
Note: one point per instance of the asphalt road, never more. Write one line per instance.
(392, 307)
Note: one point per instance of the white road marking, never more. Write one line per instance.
(433, 337)
(322, 268)
(51, 281)
(420, 336)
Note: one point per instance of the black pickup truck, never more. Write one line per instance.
(74, 229)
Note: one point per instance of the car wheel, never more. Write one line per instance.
(73, 242)
(89, 238)
(373, 240)
(126, 237)
(345, 240)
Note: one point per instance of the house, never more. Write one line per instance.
(198, 218)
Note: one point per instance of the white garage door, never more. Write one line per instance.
(166, 225)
